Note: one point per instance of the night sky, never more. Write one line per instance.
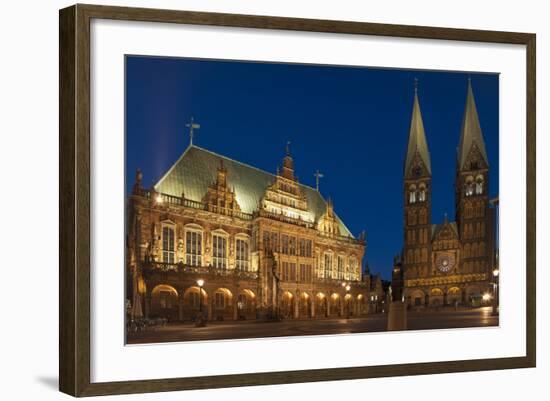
(351, 123)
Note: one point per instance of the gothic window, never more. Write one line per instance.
(479, 185)
(422, 193)
(412, 193)
(469, 189)
(469, 186)
(168, 245)
(328, 265)
(219, 251)
(242, 261)
(193, 248)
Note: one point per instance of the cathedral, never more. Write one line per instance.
(223, 240)
(450, 263)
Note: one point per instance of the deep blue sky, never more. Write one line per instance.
(350, 123)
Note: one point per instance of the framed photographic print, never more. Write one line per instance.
(277, 191)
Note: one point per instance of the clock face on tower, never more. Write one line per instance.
(445, 262)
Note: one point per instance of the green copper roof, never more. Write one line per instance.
(471, 131)
(196, 169)
(417, 140)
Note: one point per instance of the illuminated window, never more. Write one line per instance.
(242, 260)
(168, 245)
(219, 251)
(328, 265)
(193, 248)
(340, 262)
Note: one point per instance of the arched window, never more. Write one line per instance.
(422, 193)
(479, 185)
(469, 186)
(412, 194)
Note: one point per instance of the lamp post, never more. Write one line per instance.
(200, 321)
(495, 291)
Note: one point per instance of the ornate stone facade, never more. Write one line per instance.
(265, 245)
(449, 263)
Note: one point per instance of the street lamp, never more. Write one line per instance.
(200, 322)
(495, 290)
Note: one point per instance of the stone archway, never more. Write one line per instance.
(193, 303)
(164, 302)
(454, 296)
(287, 305)
(305, 309)
(349, 305)
(321, 307)
(222, 305)
(246, 305)
(436, 297)
(335, 305)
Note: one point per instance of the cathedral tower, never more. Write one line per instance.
(417, 176)
(473, 216)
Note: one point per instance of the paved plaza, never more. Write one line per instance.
(442, 319)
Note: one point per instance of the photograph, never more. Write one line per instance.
(271, 199)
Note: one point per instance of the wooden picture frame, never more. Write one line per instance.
(74, 199)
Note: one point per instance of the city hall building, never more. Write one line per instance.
(451, 262)
(235, 242)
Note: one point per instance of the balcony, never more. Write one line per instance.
(181, 268)
(179, 201)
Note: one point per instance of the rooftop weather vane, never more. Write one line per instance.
(317, 175)
(192, 126)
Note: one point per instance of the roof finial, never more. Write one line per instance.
(288, 148)
(192, 126)
(317, 175)
(445, 218)
(415, 85)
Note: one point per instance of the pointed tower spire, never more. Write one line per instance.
(417, 138)
(471, 134)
